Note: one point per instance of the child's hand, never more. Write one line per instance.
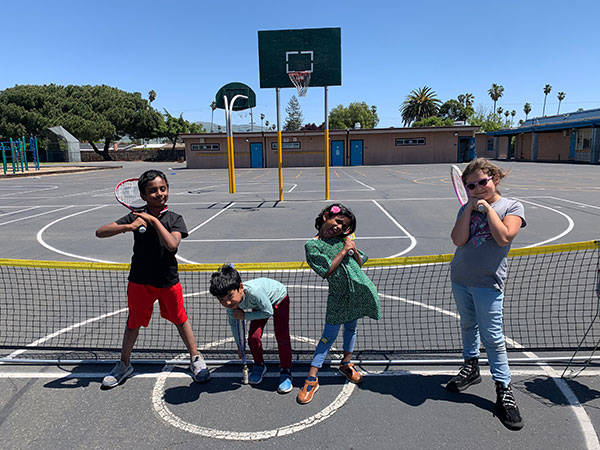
(239, 314)
(349, 245)
(147, 218)
(137, 223)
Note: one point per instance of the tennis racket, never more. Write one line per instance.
(459, 187)
(241, 332)
(351, 237)
(127, 194)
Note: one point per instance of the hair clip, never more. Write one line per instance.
(335, 209)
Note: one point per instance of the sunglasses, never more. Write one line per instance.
(482, 182)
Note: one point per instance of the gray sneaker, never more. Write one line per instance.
(116, 376)
(200, 372)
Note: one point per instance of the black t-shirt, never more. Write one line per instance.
(151, 262)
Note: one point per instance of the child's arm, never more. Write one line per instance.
(169, 239)
(337, 259)
(112, 229)
(503, 231)
(461, 230)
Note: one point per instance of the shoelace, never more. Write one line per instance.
(466, 370)
(507, 398)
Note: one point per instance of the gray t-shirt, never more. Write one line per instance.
(481, 262)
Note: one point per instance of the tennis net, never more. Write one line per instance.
(68, 308)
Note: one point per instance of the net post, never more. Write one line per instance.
(326, 147)
(279, 150)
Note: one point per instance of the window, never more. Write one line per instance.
(584, 139)
(410, 141)
(284, 145)
(205, 147)
(490, 144)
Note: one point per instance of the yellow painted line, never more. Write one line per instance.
(299, 173)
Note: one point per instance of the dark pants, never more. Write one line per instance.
(281, 320)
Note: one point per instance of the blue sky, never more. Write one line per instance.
(186, 50)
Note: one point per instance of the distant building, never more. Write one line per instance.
(565, 137)
(351, 147)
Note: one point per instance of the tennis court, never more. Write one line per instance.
(402, 211)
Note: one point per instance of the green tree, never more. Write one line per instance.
(487, 122)
(495, 93)
(456, 110)
(547, 90)
(513, 113)
(434, 121)
(561, 96)
(526, 109)
(419, 104)
(341, 118)
(174, 126)
(293, 121)
(91, 113)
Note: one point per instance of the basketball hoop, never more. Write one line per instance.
(301, 80)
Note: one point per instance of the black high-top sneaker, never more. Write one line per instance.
(506, 407)
(468, 375)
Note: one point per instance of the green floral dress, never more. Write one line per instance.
(352, 294)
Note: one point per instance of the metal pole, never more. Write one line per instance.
(326, 147)
(228, 143)
(280, 161)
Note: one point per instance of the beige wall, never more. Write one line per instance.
(553, 146)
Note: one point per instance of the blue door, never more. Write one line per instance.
(356, 153)
(337, 153)
(256, 154)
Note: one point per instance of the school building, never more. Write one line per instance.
(565, 137)
(352, 147)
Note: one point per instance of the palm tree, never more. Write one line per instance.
(547, 90)
(262, 117)
(495, 92)
(213, 106)
(513, 113)
(419, 104)
(506, 114)
(526, 109)
(561, 96)
(500, 110)
(151, 96)
(469, 99)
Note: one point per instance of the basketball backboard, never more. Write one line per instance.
(314, 50)
(233, 89)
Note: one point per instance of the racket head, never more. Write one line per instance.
(459, 186)
(127, 194)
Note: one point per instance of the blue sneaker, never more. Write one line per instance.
(256, 374)
(285, 381)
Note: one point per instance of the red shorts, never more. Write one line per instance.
(141, 298)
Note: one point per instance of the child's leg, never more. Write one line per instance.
(489, 315)
(255, 332)
(129, 337)
(349, 339)
(187, 335)
(281, 321)
(468, 320)
(328, 337)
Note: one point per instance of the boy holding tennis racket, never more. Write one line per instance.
(485, 227)
(264, 298)
(153, 274)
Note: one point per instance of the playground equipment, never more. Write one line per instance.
(16, 150)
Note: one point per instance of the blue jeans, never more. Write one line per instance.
(480, 312)
(330, 333)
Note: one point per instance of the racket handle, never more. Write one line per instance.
(350, 252)
(142, 229)
(245, 374)
(480, 208)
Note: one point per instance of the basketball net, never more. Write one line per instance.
(301, 80)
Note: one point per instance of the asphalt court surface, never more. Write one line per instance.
(401, 211)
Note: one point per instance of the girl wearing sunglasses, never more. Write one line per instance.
(484, 229)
